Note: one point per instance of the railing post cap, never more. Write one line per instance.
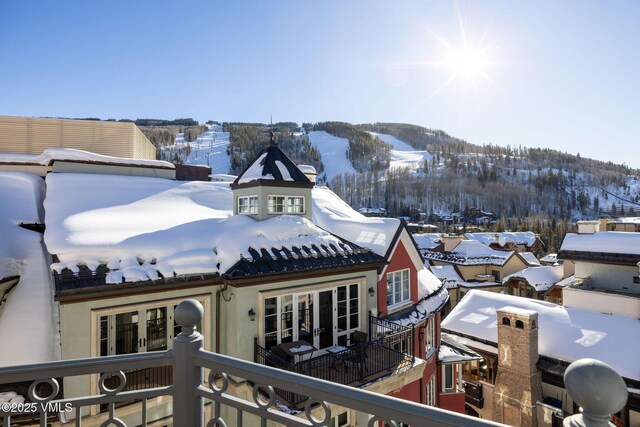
(188, 313)
(596, 387)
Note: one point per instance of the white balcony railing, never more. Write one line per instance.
(189, 392)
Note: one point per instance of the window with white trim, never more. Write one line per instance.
(430, 338)
(138, 329)
(341, 420)
(295, 205)
(452, 378)
(248, 205)
(285, 204)
(275, 204)
(431, 391)
(397, 287)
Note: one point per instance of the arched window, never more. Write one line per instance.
(534, 324)
(506, 321)
(519, 324)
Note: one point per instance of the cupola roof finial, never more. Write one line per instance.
(273, 138)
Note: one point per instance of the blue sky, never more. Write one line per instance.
(558, 74)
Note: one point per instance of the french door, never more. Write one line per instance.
(137, 331)
(323, 317)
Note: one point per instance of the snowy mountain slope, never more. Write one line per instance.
(403, 155)
(210, 149)
(333, 151)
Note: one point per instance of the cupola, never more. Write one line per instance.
(272, 185)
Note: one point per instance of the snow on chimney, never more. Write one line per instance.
(309, 171)
(588, 227)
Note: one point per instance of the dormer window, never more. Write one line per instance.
(248, 205)
(285, 204)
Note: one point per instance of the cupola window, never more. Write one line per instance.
(248, 205)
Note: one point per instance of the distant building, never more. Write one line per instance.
(526, 345)
(606, 268)
(477, 265)
(25, 135)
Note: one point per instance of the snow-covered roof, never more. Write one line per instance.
(335, 215)
(549, 258)
(432, 296)
(625, 220)
(51, 155)
(571, 280)
(530, 258)
(541, 278)
(448, 275)
(564, 333)
(452, 351)
(527, 238)
(168, 227)
(470, 252)
(610, 242)
(272, 164)
(29, 316)
(427, 240)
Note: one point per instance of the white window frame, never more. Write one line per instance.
(251, 207)
(431, 392)
(338, 335)
(399, 280)
(292, 205)
(111, 312)
(335, 421)
(430, 337)
(456, 378)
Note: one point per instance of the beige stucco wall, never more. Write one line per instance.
(621, 305)
(25, 135)
(263, 191)
(79, 323)
(608, 276)
(237, 335)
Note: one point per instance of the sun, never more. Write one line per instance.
(468, 63)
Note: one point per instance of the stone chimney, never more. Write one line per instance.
(518, 384)
(309, 171)
(588, 227)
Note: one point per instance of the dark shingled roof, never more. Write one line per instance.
(269, 168)
(278, 261)
(262, 263)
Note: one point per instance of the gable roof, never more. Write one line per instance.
(470, 252)
(564, 333)
(269, 166)
(427, 240)
(526, 238)
(541, 278)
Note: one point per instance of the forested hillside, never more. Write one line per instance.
(514, 187)
(246, 140)
(365, 152)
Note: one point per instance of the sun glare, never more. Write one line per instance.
(468, 63)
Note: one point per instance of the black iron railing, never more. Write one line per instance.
(393, 335)
(357, 365)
